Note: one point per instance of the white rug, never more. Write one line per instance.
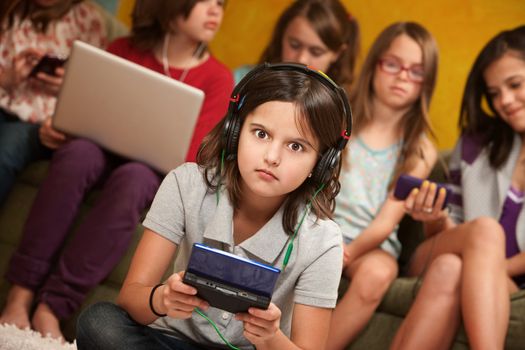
(12, 338)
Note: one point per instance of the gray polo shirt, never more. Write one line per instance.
(185, 212)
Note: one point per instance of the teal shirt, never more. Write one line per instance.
(241, 71)
(364, 189)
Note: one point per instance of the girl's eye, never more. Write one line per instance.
(296, 147)
(515, 85)
(417, 72)
(317, 52)
(492, 94)
(391, 64)
(261, 134)
(294, 44)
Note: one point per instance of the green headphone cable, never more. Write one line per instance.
(230, 345)
(306, 210)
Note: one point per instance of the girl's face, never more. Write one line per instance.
(203, 22)
(505, 80)
(398, 74)
(274, 156)
(301, 44)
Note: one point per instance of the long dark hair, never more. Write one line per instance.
(416, 121)
(491, 131)
(320, 112)
(40, 17)
(335, 27)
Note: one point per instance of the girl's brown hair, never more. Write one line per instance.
(335, 27)
(40, 17)
(492, 131)
(151, 20)
(415, 122)
(320, 111)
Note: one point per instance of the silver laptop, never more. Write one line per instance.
(126, 108)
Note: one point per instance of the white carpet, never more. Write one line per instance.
(12, 338)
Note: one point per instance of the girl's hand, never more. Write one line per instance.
(260, 325)
(49, 136)
(421, 206)
(49, 84)
(178, 299)
(20, 68)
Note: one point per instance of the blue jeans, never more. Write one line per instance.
(107, 326)
(19, 145)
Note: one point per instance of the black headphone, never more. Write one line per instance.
(232, 126)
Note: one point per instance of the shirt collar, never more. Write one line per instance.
(265, 245)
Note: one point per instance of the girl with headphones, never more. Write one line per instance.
(263, 188)
(391, 100)
(167, 37)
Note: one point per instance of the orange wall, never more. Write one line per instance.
(461, 28)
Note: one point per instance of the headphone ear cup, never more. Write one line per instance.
(232, 129)
(324, 168)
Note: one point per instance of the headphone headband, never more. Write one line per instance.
(232, 125)
(317, 74)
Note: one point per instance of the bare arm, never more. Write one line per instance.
(383, 224)
(151, 259)
(392, 211)
(309, 328)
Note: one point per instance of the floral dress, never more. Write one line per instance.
(83, 22)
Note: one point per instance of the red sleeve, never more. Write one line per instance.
(214, 108)
(120, 47)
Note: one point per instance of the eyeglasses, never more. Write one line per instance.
(392, 66)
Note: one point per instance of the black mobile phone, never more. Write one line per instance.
(47, 64)
(406, 183)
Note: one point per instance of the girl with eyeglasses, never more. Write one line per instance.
(390, 103)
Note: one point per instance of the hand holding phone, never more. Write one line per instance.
(48, 65)
(406, 183)
(229, 282)
(178, 299)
